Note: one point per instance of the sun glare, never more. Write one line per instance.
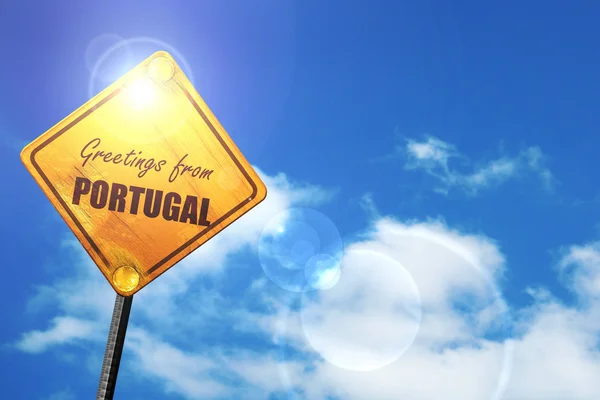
(141, 92)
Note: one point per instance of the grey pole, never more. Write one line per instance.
(114, 348)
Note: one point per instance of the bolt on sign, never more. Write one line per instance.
(143, 174)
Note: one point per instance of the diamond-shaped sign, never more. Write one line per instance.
(143, 174)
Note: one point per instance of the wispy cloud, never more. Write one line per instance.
(368, 205)
(181, 372)
(63, 330)
(66, 394)
(453, 170)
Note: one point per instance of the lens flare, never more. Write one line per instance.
(369, 319)
(119, 58)
(300, 249)
(113, 66)
(161, 69)
(141, 93)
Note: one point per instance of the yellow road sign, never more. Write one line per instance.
(143, 174)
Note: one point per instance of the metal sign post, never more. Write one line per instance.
(114, 348)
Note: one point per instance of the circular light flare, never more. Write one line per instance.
(161, 69)
(366, 290)
(298, 247)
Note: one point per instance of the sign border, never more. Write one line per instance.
(186, 244)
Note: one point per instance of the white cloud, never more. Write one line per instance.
(181, 372)
(371, 318)
(580, 267)
(431, 152)
(63, 330)
(264, 372)
(557, 355)
(457, 349)
(434, 156)
(553, 356)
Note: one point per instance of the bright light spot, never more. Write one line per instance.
(141, 92)
(322, 271)
(327, 279)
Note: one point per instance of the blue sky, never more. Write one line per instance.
(451, 145)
